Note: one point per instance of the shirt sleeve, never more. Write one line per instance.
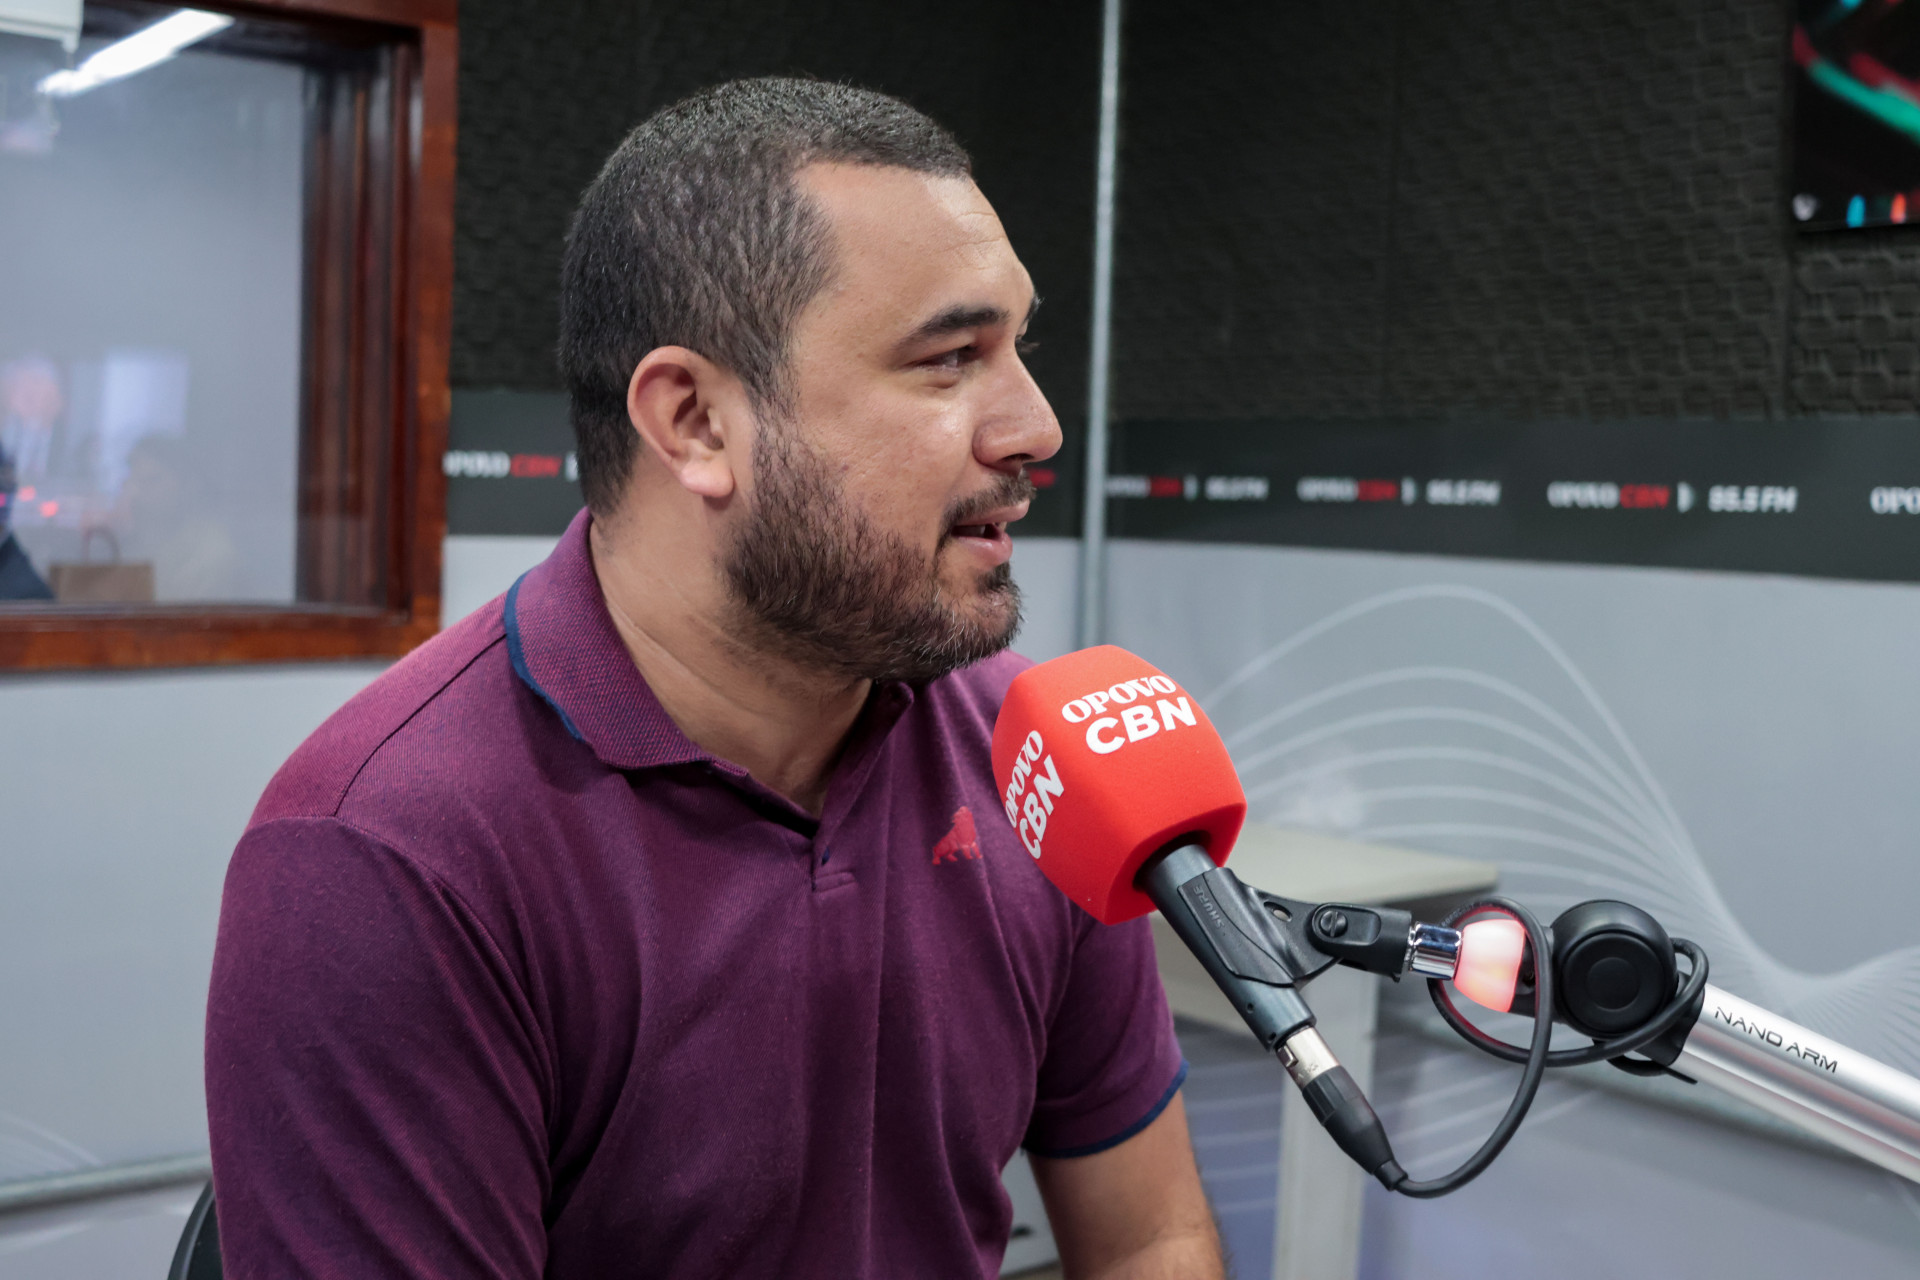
(1112, 1064)
(375, 1088)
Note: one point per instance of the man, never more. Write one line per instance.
(18, 578)
(641, 924)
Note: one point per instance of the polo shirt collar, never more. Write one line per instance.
(564, 646)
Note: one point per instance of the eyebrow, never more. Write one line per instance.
(958, 319)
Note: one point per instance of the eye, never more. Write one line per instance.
(954, 359)
(1026, 346)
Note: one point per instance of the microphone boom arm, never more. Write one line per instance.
(1261, 948)
(1247, 935)
(1815, 1084)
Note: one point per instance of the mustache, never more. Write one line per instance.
(1004, 492)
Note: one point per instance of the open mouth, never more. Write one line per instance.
(985, 541)
(982, 528)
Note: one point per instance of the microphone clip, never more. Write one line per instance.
(1260, 947)
(1259, 936)
(1285, 941)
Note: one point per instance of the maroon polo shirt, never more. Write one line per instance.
(515, 980)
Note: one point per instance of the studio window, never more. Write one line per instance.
(225, 265)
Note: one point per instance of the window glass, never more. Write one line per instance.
(156, 231)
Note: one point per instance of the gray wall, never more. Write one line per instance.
(123, 796)
(1733, 752)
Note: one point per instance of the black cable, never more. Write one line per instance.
(1536, 1058)
(1600, 1050)
(1340, 1106)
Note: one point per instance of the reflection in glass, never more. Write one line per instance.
(18, 580)
(161, 192)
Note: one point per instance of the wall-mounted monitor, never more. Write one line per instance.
(1856, 114)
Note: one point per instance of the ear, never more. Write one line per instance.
(689, 414)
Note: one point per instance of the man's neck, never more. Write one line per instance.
(785, 725)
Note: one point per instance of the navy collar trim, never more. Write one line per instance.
(517, 656)
(564, 646)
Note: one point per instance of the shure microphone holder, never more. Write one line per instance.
(1612, 975)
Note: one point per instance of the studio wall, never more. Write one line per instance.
(1391, 208)
(1415, 221)
(548, 91)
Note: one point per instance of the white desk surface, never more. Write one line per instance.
(1315, 868)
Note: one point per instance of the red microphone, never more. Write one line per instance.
(1119, 786)
(1103, 760)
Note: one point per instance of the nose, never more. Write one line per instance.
(1018, 426)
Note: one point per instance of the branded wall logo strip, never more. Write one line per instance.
(1830, 498)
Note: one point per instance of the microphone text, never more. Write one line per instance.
(1029, 819)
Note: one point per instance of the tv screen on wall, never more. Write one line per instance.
(1856, 118)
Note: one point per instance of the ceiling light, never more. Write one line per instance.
(144, 48)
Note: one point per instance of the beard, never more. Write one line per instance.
(814, 581)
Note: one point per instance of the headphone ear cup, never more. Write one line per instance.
(1614, 967)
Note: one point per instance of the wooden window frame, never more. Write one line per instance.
(393, 431)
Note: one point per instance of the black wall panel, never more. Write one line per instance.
(1586, 209)
(548, 89)
(1434, 208)
(1254, 211)
(1856, 330)
(1387, 210)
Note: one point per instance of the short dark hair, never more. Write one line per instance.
(696, 234)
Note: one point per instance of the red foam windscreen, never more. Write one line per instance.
(1103, 760)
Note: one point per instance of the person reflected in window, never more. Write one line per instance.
(18, 579)
(31, 402)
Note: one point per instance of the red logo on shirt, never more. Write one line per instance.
(961, 842)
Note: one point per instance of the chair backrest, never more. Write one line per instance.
(197, 1257)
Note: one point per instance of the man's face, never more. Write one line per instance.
(875, 541)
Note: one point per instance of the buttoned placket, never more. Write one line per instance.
(830, 867)
(835, 868)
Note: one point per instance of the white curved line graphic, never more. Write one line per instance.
(1455, 770)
